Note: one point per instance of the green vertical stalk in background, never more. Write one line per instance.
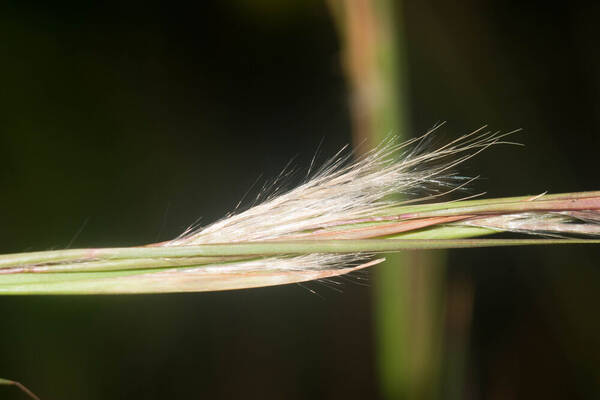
(408, 287)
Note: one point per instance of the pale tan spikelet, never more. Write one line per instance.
(347, 191)
(562, 224)
(328, 226)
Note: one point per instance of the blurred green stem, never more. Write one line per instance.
(408, 286)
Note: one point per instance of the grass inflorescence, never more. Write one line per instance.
(330, 225)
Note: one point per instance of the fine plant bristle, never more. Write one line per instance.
(329, 225)
(555, 224)
(340, 191)
(346, 191)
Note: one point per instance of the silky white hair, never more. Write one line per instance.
(347, 191)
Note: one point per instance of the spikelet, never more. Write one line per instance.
(320, 229)
(344, 191)
(550, 224)
(340, 192)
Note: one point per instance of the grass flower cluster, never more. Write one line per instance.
(330, 225)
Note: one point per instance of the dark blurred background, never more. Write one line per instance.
(125, 122)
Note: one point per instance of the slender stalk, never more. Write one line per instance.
(572, 204)
(422, 209)
(269, 248)
(194, 278)
(112, 264)
(20, 386)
